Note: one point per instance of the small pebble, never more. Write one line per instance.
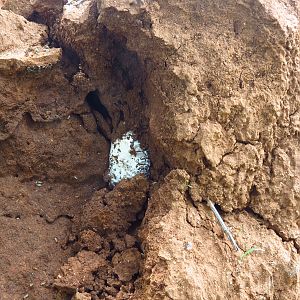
(188, 246)
(38, 183)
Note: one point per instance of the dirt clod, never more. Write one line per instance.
(82, 296)
(126, 264)
(121, 205)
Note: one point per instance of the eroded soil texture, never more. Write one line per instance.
(211, 89)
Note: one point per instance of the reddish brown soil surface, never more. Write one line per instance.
(211, 88)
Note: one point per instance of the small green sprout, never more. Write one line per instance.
(249, 251)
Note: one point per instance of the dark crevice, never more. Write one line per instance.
(36, 18)
(70, 63)
(270, 226)
(52, 42)
(246, 142)
(80, 119)
(93, 99)
(132, 230)
(12, 216)
(255, 215)
(52, 221)
(161, 169)
(71, 243)
(126, 65)
(206, 163)
(121, 117)
(188, 196)
(45, 217)
(94, 102)
(253, 192)
(130, 102)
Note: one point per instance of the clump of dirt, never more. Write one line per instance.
(94, 274)
(108, 259)
(61, 151)
(121, 205)
(211, 89)
(195, 253)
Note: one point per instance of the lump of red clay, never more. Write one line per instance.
(114, 211)
(78, 271)
(129, 240)
(90, 240)
(127, 264)
(82, 296)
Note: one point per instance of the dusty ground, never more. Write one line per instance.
(212, 90)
